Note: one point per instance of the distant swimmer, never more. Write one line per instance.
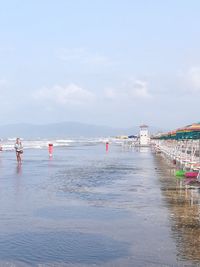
(18, 149)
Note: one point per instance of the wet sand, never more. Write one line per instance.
(86, 207)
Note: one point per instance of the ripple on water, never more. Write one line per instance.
(60, 247)
(81, 212)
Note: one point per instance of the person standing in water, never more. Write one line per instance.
(19, 150)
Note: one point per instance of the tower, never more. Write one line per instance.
(144, 135)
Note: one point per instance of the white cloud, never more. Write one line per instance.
(110, 93)
(139, 89)
(71, 94)
(194, 78)
(82, 56)
(187, 81)
(132, 89)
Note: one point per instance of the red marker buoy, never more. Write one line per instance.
(107, 146)
(50, 150)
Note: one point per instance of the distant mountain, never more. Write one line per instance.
(63, 130)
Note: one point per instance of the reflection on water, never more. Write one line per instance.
(55, 247)
(81, 213)
(184, 206)
(86, 207)
(19, 169)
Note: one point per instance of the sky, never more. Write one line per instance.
(107, 62)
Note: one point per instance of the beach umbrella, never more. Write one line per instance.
(192, 131)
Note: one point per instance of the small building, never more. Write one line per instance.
(144, 138)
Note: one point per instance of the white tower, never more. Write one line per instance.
(144, 135)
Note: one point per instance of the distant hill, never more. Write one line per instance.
(63, 130)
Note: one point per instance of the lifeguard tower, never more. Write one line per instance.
(144, 135)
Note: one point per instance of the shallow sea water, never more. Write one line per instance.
(86, 207)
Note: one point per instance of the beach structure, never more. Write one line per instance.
(181, 147)
(144, 138)
(141, 139)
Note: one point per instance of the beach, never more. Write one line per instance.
(88, 207)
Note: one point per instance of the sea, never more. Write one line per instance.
(88, 206)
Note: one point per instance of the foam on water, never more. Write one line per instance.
(8, 144)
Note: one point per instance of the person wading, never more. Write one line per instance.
(19, 150)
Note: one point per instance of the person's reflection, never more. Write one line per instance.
(50, 165)
(19, 169)
(17, 181)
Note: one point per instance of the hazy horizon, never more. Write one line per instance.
(68, 129)
(114, 63)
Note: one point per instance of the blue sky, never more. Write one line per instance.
(114, 62)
